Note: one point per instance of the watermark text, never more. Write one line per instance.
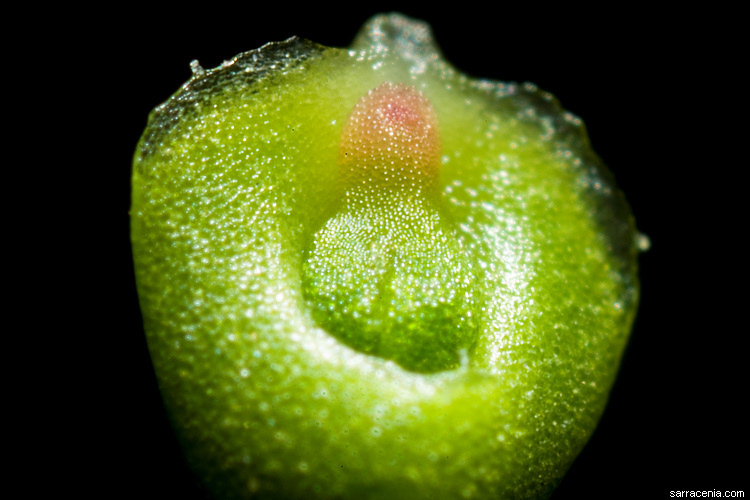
(706, 494)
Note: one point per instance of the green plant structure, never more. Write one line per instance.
(364, 275)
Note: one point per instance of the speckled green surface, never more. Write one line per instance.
(245, 239)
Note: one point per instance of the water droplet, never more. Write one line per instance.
(643, 242)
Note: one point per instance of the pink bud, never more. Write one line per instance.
(391, 139)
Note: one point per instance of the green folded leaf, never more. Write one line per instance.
(366, 275)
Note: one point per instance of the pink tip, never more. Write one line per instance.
(391, 138)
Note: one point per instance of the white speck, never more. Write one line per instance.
(643, 242)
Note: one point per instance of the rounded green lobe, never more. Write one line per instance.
(389, 277)
(235, 192)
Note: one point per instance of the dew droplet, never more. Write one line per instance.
(643, 242)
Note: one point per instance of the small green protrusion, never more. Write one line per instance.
(387, 274)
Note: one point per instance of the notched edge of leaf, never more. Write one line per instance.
(238, 73)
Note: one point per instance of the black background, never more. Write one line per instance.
(654, 95)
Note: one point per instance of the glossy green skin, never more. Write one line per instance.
(232, 180)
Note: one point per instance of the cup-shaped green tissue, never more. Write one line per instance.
(364, 275)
